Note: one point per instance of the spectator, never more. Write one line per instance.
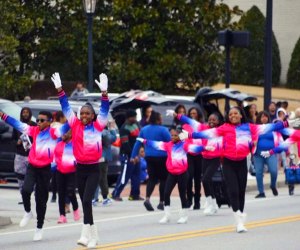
(156, 159)
(180, 110)
(109, 136)
(128, 134)
(22, 148)
(146, 113)
(251, 113)
(266, 142)
(80, 90)
(143, 166)
(272, 111)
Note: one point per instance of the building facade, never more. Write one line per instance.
(286, 22)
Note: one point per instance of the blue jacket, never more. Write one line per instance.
(154, 133)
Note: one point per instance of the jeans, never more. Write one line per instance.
(259, 163)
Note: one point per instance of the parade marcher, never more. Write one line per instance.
(239, 139)
(177, 168)
(211, 160)
(87, 149)
(38, 172)
(22, 148)
(109, 136)
(66, 176)
(131, 170)
(156, 159)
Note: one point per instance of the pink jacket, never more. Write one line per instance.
(176, 154)
(64, 158)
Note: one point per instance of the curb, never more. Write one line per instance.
(5, 221)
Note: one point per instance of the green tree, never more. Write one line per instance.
(154, 44)
(248, 63)
(293, 76)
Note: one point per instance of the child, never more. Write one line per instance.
(38, 173)
(87, 149)
(177, 168)
(65, 176)
(143, 165)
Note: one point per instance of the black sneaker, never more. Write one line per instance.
(275, 192)
(160, 206)
(135, 198)
(20, 203)
(196, 206)
(291, 189)
(148, 205)
(260, 195)
(189, 203)
(117, 198)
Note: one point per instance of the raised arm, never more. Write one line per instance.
(159, 145)
(20, 126)
(196, 126)
(102, 118)
(65, 106)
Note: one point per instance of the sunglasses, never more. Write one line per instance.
(41, 120)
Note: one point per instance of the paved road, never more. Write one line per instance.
(273, 223)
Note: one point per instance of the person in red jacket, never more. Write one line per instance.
(38, 172)
(66, 176)
(177, 166)
(239, 139)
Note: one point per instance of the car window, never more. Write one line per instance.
(11, 109)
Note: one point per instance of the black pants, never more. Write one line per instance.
(66, 188)
(181, 180)
(235, 174)
(87, 181)
(157, 171)
(40, 178)
(53, 184)
(209, 167)
(103, 182)
(195, 173)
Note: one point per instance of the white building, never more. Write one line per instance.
(286, 23)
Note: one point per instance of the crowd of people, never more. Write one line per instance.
(74, 150)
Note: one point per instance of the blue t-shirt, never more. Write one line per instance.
(265, 142)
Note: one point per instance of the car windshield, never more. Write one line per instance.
(11, 109)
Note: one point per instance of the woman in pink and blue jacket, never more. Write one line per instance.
(177, 167)
(211, 160)
(87, 149)
(239, 139)
(66, 176)
(38, 172)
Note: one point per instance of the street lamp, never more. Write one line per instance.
(268, 56)
(89, 8)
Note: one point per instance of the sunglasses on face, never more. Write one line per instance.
(41, 120)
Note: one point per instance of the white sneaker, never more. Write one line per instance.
(38, 235)
(26, 218)
(183, 217)
(167, 216)
(239, 220)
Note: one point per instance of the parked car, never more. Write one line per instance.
(7, 143)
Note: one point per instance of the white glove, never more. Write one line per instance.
(103, 84)
(209, 148)
(265, 154)
(183, 135)
(56, 80)
(294, 123)
(140, 139)
(170, 112)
